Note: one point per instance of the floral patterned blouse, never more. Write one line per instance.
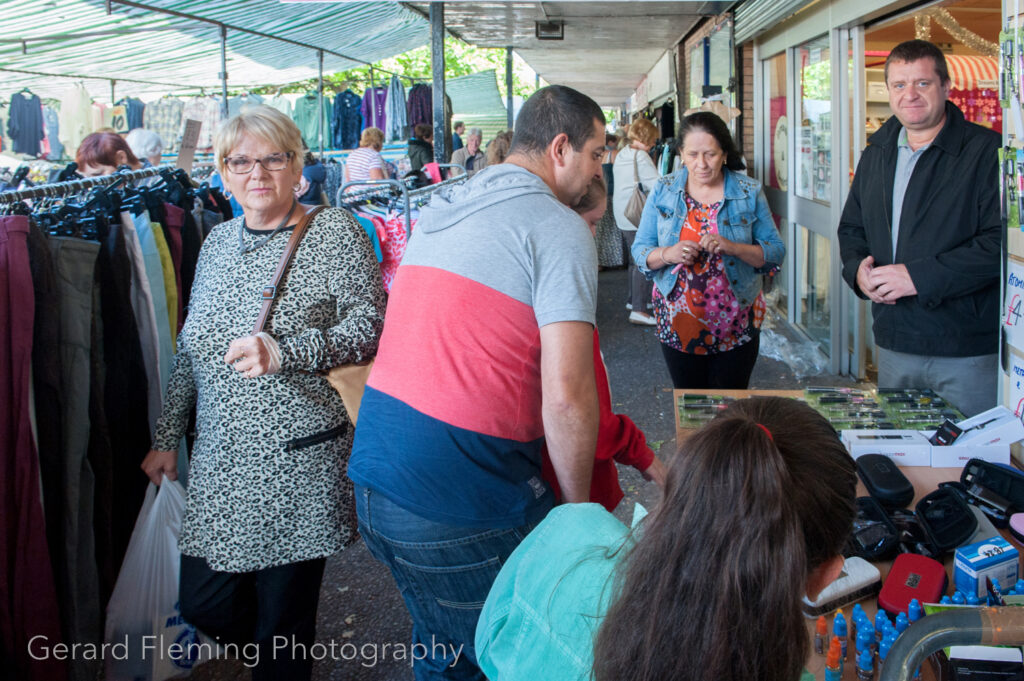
(701, 315)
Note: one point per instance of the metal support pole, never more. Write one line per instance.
(508, 84)
(224, 70)
(373, 100)
(113, 97)
(320, 98)
(437, 68)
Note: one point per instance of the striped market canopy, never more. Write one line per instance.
(152, 53)
(971, 73)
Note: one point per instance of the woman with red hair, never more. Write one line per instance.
(101, 153)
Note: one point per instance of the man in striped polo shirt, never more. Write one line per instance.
(486, 354)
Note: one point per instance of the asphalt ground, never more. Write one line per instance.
(363, 625)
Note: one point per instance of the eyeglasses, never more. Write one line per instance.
(244, 164)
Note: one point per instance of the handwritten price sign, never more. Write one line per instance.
(119, 119)
(1013, 305)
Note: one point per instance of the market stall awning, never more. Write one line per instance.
(151, 52)
(971, 73)
(607, 48)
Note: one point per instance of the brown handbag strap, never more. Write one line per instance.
(269, 293)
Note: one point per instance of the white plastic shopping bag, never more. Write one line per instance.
(149, 639)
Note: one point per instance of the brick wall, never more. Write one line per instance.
(745, 83)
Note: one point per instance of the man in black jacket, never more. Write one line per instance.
(920, 237)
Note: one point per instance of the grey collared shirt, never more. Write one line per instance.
(906, 159)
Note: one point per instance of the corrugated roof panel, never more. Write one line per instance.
(78, 38)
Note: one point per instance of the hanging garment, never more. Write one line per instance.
(420, 105)
(237, 104)
(395, 113)
(374, 100)
(5, 142)
(134, 111)
(207, 111)
(333, 181)
(125, 404)
(347, 120)
(75, 118)
(164, 118)
(74, 261)
(281, 103)
(25, 123)
(307, 118)
(28, 599)
(145, 317)
(52, 122)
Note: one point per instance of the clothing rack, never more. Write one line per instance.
(74, 186)
(380, 184)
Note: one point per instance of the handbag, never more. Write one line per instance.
(635, 205)
(349, 380)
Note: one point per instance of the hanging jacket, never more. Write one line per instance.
(347, 121)
(394, 112)
(307, 118)
(25, 123)
(420, 105)
(374, 116)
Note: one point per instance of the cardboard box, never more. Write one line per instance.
(957, 455)
(995, 558)
(903, 447)
(991, 442)
(998, 425)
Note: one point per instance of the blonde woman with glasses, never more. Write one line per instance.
(268, 499)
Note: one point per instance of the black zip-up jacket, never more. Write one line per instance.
(949, 239)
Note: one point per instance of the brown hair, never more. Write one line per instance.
(100, 149)
(912, 50)
(712, 588)
(643, 131)
(497, 150)
(597, 194)
(423, 131)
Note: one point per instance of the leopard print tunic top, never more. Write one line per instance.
(267, 484)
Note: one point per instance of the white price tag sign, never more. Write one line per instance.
(1016, 401)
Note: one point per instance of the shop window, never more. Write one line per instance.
(814, 136)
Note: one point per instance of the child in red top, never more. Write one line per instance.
(618, 438)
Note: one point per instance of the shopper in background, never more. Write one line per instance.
(311, 184)
(366, 163)
(706, 238)
(421, 147)
(498, 288)
(268, 499)
(102, 153)
(920, 237)
(146, 145)
(755, 513)
(458, 129)
(611, 251)
(470, 157)
(619, 440)
(633, 165)
(497, 148)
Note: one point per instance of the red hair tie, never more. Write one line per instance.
(766, 431)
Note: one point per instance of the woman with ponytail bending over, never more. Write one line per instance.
(756, 509)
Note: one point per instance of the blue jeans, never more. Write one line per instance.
(443, 572)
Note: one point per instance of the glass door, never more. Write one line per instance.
(812, 191)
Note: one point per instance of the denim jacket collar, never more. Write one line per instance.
(733, 185)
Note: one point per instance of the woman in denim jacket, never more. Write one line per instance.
(706, 238)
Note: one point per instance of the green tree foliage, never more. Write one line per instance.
(460, 59)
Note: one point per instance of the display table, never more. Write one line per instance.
(924, 479)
